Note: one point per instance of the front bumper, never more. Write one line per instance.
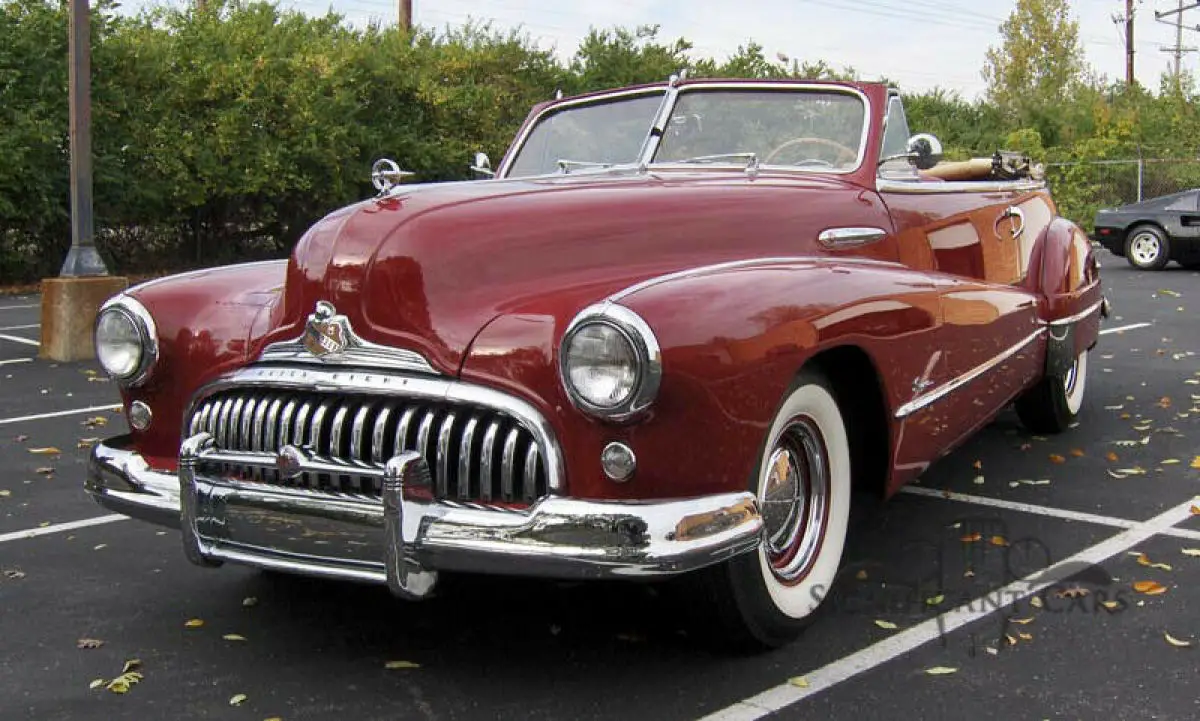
(405, 540)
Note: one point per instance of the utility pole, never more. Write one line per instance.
(406, 15)
(1129, 78)
(1178, 49)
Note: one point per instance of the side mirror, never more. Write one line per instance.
(482, 167)
(924, 151)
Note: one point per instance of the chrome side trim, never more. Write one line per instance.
(1078, 316)
(918, 187)
(839, 238)
(284, 378)
(949, 387)
(744, 263)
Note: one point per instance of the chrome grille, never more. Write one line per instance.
(476, 454)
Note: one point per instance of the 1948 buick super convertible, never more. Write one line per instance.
(669, 335)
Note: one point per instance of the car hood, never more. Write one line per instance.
(427, 267)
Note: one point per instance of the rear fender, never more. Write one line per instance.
(1066, 276)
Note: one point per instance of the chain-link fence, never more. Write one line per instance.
(1080, 189)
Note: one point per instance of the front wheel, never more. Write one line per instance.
(1147, 248)
(1052, 405)
(765, 599)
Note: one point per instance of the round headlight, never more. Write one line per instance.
(602, 365)
(125, 343)
(610, 362)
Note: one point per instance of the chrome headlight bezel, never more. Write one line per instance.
(143, 324)
(646, 350)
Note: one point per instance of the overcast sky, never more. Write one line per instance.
(918, 43)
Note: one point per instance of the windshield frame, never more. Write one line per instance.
(671, 93)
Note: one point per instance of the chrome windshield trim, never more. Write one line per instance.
(391, 384)
(920, 187)
(1094, 307)
(519, 142)
(671, 94)
(949, 387)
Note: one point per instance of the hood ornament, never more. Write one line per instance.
(326, 332)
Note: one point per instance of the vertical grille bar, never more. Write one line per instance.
(444, 464)
(464, 458)
(300, 431)
(256, 428)
(285, 421)
(230, 439)
(357, 431)
(508, 462)
(379, 433)
(423, 432)
(486, 453)
(337, 431)
(272, 424)
(529, 486)
(402, 431)
(318, 421)
(246, 426)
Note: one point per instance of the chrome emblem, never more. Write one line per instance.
(290, 461)
(326, 333)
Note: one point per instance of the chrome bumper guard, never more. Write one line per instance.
(409, 537)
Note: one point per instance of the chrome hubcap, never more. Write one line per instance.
(795, 498)
(1144, 248)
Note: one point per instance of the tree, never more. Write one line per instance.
(1038, 66)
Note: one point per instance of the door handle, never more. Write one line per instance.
(1013, 213)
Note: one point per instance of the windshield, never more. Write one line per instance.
(603, 133)
(814, 129)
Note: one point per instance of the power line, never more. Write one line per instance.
(1178, 49)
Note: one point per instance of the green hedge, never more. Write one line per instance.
(220, 135)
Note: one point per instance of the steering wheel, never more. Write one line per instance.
(843, 151)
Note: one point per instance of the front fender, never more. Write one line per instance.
(732, 340)
(207, 322)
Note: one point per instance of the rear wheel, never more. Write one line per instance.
(1147, 248)
(766, 598)
(1053, 404)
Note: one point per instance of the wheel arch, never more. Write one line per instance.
(858, 389)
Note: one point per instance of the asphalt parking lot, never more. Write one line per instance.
(1013, 568)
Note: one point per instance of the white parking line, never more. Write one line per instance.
(19, 339)
(10, 361)
(56, 414)
(18, 307)
(21, 327)
(60, 527)
(844, 669)
(1062, 513)
(1120, 328)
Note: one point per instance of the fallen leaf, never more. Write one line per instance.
(1168, 462)
(978, 465)
(1135, 471)
(1150, 588)
(47, 451)
(1195, 510)
(14, 573)
(97, 683)
(1176, 642)
(1192, 552)
(978, 480)
(394, 665)
(1055, 458)
(1025, 636)
(1145, 561)
(1111, 605)
(999, 541)
(132, 664)
(1171, 293)
(798, 681)
(1040, 482)
(95, 421)
(1036, 602)
(940, 670)
(99, 546)
(861, 575)
(1114, 474)
(238, 699)
(1072, 592)
(193, 623)
(45, 471)
(888, 625)
(935, 600)
(1021, 621)
(249, 601)
(1077, 452)
(5, 494)
(1114, 408)
(971, 537)
(1196, 463)
(21, 438)
(89, 643)
(1012, 641)
(234, 637)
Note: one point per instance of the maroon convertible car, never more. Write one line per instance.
(667, 336)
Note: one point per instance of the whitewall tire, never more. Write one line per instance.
(802, 483)
(1053, 404)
